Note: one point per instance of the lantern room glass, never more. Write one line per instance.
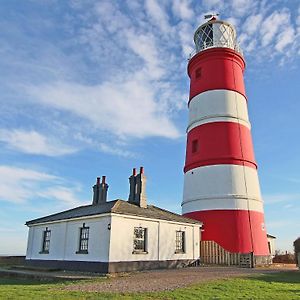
(216, 34)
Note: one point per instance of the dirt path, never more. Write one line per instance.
(160, 280)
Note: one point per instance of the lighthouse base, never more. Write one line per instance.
(237, 231)
(262, 260)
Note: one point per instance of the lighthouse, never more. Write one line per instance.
(221, 186)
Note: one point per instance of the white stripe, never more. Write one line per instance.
(212, 120)
(218, 105)
(221, 187)
(223, 204)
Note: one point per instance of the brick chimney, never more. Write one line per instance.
(137, 193)
(100, 191)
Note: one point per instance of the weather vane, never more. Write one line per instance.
(210, 16)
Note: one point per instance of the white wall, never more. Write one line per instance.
(64, 241)
(115, 244)
(272, 245)
(160, 240)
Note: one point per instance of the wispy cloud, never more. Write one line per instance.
(272, 25)
(126, 108)
(278, 198)
(120, 67)
(65, 195)
(115, 150)
(242, 7)
(183, 9)
(156, 12)
(266, 30)
(282, 224)
(23, 185)
(17, 183)
(32, 142)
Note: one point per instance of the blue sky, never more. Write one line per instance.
(91, 88)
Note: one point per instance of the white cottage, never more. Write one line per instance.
(114, 236)
(271, 244)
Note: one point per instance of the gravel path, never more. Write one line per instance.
(160, 280)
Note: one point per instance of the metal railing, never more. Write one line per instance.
(236, 47)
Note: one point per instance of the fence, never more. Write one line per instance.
(213, 253)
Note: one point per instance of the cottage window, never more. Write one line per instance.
(179, 242)
(139, 240)
(83, 240)
(46, 241)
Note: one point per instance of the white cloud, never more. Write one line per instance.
(185, 34)
(115, 150)
(114, 147)
(182, 9)
(137, 95)
(298, 19)
(109, 11)
(272, 25)
(278, 198)
(17, 184)
(252, 24)
(233, 21)
(213, 3)
(32, 142)
(242, 7)
(145, 47)
(269, 33)
(63, 194)
(125, 108)
(285, 38)
(158, 14)
(24, 185)
(131, 66)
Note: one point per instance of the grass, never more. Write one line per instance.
(283, 285)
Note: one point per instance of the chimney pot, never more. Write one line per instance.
(137, 193)
(100, 191)
(134, 171)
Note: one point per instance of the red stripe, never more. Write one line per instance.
(219, 143)
(218, 68)
(237, 231)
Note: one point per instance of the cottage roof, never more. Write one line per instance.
(116, 206)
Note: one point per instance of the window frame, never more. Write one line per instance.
(84, 235)
(198, 73)
(195, 146)
(144, 239)
(46, 241)
(180, 242)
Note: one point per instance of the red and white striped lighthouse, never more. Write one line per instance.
(221, 186)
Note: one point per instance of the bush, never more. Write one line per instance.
(287, 258)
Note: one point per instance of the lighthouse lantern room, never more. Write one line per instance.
(215, 33)
(221, 186)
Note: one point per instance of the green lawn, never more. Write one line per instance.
(284, 285)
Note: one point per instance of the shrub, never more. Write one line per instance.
(287, 258)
